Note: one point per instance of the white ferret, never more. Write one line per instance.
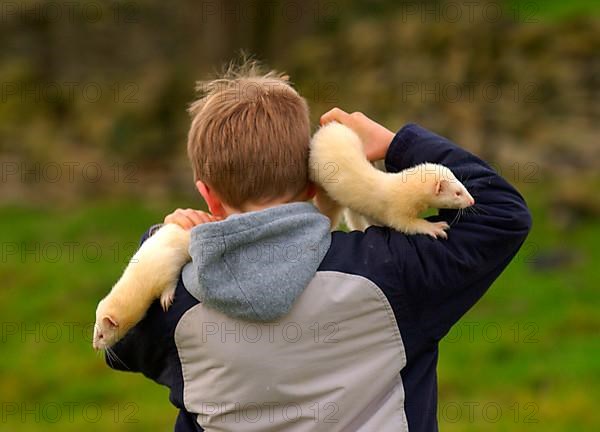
(370, 195)
(389, 199)
(151, 274)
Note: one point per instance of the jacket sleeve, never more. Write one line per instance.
(444, 278)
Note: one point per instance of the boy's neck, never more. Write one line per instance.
(304, 195)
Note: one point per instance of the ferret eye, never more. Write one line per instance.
(458, 193)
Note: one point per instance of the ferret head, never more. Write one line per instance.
(449, 193)
(106, 328)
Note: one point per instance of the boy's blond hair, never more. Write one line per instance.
(250, 136)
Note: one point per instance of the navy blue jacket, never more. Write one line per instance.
(430, 284)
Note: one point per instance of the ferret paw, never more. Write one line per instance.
(166, 298)
(436, 229)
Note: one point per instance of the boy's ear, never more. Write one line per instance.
(212, 199)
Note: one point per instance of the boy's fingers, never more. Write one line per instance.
(180, 217)
(203, 218)
(182, 221)
(335, 114)
(197, 217)
(189, 218)
(185, 222)
(170, 218)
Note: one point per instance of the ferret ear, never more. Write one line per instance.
(439, 186)
(109, 322)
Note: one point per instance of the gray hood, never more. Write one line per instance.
(253, 266)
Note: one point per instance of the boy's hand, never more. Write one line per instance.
(189, 218)
(375, 137)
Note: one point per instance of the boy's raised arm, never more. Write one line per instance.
(447, 277)
(444, 278)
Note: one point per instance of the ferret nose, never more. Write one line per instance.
(472, 202)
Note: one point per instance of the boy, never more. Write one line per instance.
(278, 324)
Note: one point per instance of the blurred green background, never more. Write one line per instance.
(92, 147)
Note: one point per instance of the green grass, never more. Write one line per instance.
(541, 10)
(532, 356)
(47, 364)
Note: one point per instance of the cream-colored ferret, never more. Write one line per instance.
(390, 199)
(370, 195)
(151, 274)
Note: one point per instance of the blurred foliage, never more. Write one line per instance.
(511, 82)
(103, 86)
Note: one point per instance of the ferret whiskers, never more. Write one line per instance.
(476, 209)
(108, 354)
(457, 217)
(112, 356)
